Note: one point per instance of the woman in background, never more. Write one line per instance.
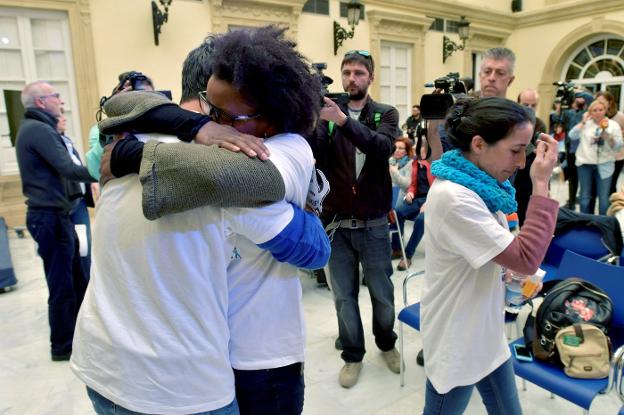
(599, 138)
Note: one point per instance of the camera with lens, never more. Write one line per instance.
(137, 81)
(565, 92)
(435, 106)
(337, 97)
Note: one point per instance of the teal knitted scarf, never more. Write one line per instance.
(455, 167)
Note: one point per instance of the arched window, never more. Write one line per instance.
(598, 65)
(606, 54)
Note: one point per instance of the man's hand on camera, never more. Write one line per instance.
(332, 112)
(229, 138)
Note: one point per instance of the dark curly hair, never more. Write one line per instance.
(492, 118)
(271, 75)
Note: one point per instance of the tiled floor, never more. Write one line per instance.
(32, 384)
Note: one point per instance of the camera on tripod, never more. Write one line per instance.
(435, 106)
(337, 97)
(565, 91)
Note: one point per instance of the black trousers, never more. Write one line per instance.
(58, 248)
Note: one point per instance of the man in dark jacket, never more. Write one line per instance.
(51, 185)
(354, 143)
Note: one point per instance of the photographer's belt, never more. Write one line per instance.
(357, 223)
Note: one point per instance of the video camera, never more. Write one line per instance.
(138, 82)
(435, 106)
(337, 97)
(565, 91)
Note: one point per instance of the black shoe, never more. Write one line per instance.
(420, 359)
(321, 278)
(61, 357)
(338, 344)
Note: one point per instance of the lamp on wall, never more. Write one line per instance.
(448, 46)
(354, 8)
(159, 18)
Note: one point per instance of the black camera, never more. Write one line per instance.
(137, 80)
(565, 91)
(435, 106)
(337, 97)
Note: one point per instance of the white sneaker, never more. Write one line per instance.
(349, 374)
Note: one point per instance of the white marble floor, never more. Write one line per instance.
(32, 384)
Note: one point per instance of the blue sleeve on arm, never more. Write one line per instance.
(302, 243)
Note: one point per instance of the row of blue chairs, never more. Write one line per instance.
(552, 378)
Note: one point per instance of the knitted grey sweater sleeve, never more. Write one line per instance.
(178, 176)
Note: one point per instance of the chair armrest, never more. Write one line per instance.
(407, 278)
(617, 364)
(615, 372)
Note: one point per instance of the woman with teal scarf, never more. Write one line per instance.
(470, 252)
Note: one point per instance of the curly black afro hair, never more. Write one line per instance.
(271, 75)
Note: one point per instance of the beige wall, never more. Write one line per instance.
(112, 36)
(123, 40)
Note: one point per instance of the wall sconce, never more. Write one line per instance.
(159, 18)
(448, 46)
(354, 8)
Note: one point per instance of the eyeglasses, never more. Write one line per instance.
(363, 53)
(221, 116)
(54, 95)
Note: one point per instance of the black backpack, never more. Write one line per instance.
(570, 301)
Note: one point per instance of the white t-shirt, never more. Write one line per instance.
(462, 320)
(152, 333)
(265, 314)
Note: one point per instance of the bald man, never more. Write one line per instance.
(522, 181)
(51, 185)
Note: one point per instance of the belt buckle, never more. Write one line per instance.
(353, 223)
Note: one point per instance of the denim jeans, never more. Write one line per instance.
(405, 211)
(371, 247)
(498, 392)
(277, 391)
(57, 245)
(104, 406)
(588, 178)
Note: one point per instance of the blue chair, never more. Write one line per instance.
(410, 315)
(552, 378)
(585, 240)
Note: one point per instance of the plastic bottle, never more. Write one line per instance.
(532, 283)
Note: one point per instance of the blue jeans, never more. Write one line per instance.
(588, 178)
(277, 391)
(371, 247)
(57, 245)
(405, 212)
(498, 392)
(104, 406)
